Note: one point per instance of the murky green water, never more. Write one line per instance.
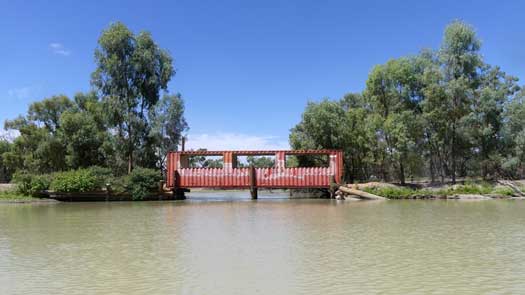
(274, 246)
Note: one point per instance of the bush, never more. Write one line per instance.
(41, 183)
(503, 191)
(392, 192)
(81, 180)
(30, 184)
(470, 188)
(103, 176)
(141, 182)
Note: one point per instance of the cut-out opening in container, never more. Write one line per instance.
(265, 161)
(307, 160)
(199, 161)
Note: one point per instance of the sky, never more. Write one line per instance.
(246, 69)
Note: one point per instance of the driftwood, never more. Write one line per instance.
(513, 186)
(360, 194)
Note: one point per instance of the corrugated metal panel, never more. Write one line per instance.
(276, 177)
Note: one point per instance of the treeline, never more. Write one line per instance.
(441, 114)
(128, 120)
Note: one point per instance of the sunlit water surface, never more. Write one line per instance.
(224, 243)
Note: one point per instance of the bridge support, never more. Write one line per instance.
(253, 182)
(179, 193)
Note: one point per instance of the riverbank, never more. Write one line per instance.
(7, 197)
(465, 190)
(479, 190)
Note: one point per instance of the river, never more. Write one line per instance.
(224, 243)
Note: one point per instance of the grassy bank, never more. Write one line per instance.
(402, 192)
(12, 196)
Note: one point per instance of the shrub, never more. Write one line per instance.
(141, 181)
(103, 175)
(30, 184)
(392, 192)
(470, 188)
(41, 183)
(23, 182)
(81, 180)
(503, 191)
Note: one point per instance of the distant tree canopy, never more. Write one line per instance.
(440, 114)
(124, 122)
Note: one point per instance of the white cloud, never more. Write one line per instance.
(235, 141)
(9, 135)
(58, 48)
(20, 93)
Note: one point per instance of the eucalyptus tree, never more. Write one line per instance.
(390, 90)
(49, 110)
(341, 124)
(461, 66)
(168, 126)
(323, 126)
(131, 71)
(5, 171)
(486, 120)
(514, 134)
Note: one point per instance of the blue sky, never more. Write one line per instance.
(245, 68)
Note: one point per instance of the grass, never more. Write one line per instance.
(480, 188)
(12, 196)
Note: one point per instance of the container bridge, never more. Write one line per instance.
(181, 176)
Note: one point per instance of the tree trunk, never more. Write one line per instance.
(130, 149)
(401, 172)
(432, 175)
(453, 154)
(359, 193)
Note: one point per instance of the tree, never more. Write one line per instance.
(486, 119)
(339, 124)
(260, 162)
(514, 137)
(461, 61)
(390, 90)
(322, 127)
(48, 111)
(131, 71)
(440, 113)
(36, 149)
(5, 172)
(168, 125)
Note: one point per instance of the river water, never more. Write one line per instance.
(224, 243)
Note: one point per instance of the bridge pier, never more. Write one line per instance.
(253, 192)
(253, 182)
(179, 193)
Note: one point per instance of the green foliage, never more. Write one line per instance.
(481, 188)
(440, 114)
(470, 188)
(14, 196)
(141, 182)
(49, 110)
(168, 124)
(123, 123)
(5, 171)
(260, 162)
(131, 71)
(31, 185)
(81, 180)
(392, 192)
(503, 191)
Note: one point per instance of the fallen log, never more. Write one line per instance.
(513, 186)
(361, 194)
